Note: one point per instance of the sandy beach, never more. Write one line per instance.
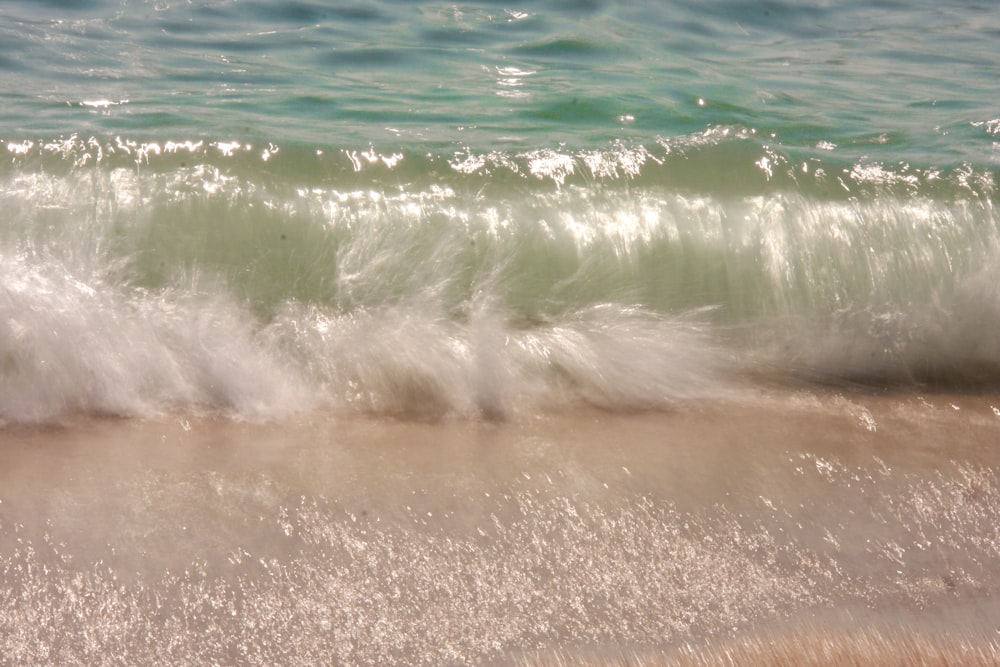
(766, 528)
(499, 334)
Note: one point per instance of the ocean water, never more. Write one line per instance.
(481, 209)
(353, 243)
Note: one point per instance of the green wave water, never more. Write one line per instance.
(483, 283)
(566, 331)
(490, 210)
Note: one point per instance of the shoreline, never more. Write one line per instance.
(355, 539)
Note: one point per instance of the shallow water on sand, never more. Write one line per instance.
(422, 334)
(588, 534)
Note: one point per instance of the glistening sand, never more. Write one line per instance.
(792, 528)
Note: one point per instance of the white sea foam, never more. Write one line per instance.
(408, 360)
(75, 344)
(131, 288)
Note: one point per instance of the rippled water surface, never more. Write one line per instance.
(535, 333)
(909, 81)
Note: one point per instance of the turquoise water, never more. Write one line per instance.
(488, 209)
(397, 333)
(893, 81)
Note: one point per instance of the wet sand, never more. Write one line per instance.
(771, 527)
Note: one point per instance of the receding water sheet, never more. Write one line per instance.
(539, 334)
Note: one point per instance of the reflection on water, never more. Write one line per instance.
(512, 546)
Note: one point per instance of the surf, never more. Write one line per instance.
(143, 278)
